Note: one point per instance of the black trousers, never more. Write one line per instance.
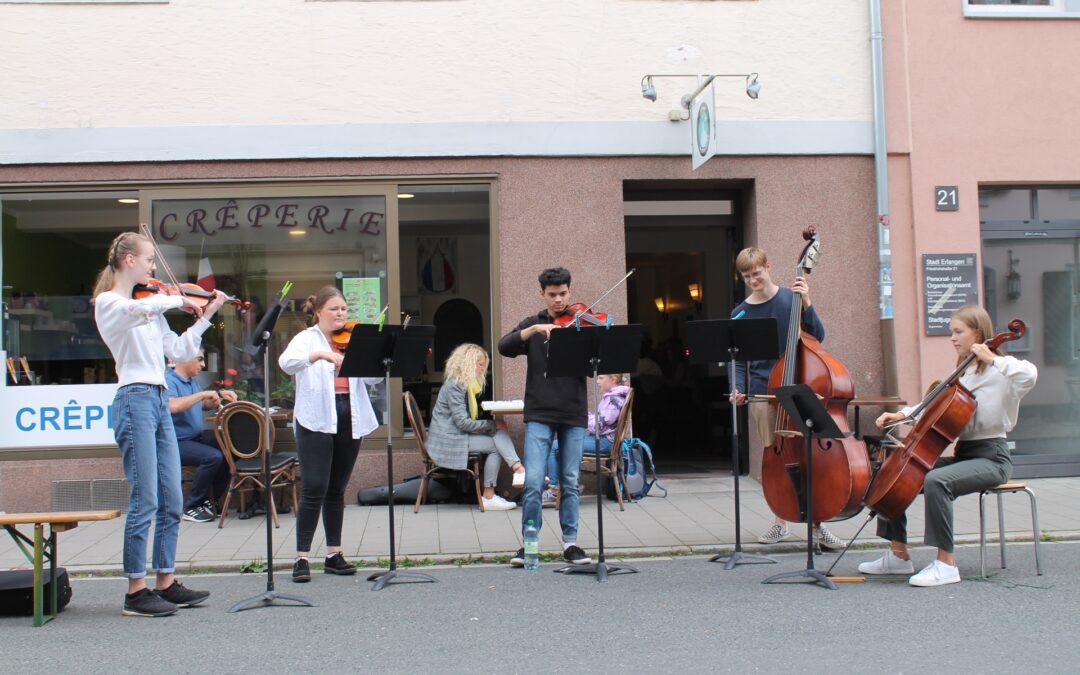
(326, 463)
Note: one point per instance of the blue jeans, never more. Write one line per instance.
(538, 439)
(553, 462)
(143, 429)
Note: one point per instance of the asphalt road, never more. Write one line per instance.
(676, 615)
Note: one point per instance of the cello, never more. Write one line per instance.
(841, 466)
(942, 415)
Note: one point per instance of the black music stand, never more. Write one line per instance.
(747, 340)
(815, 424)
(388, 351)
(259, 341)
(589, 352)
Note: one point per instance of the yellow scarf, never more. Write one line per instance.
(474, 391)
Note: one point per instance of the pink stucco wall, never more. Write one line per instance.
(969, 102)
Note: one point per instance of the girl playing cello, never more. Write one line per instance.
(981, 459)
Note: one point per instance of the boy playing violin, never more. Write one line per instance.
(555, 407)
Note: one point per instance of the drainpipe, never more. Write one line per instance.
(881, 181)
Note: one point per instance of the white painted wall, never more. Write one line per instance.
(291, 62)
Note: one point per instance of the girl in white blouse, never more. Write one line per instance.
(332, 416)
(139, 338)
(981, 459)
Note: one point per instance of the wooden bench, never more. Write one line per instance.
(60, 521)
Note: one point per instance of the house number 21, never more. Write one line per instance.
(946, 198)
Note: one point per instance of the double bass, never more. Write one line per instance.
(841, 466)
(941, 416)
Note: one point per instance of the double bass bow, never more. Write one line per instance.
(841, 466)
(940, 418)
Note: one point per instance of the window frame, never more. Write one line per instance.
(1057, 9)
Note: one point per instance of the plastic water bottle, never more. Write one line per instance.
(532, 546)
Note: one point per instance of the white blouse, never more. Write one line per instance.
(139, 337)
(314, 405)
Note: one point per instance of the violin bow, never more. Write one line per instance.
(608, 291)
(160, 257)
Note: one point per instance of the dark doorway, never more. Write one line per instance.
(682, 238)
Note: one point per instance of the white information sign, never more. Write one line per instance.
(56, 416)
(702, 127)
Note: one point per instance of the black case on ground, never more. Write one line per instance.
(17, 592)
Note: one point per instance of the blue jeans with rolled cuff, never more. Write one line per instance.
(143, 428)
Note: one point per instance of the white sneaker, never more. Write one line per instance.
(774, 534)
(519, 480)
(936, 573)
(890, 563)
(497, 503)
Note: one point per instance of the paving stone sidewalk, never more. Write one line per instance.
(697, 516)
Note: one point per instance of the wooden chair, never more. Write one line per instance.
(431, 469)
(240, 431)
(611, 466)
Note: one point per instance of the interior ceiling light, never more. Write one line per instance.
(128, 200)
(405, 195)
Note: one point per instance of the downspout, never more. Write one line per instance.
(890, 385)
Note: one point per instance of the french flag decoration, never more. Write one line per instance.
(206, 275)
(438, 272)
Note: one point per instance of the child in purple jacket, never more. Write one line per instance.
(613, 395)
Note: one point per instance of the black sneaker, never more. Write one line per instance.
(336, 564)
(519, 558)
(147, 603)
(197, 514)
(208, 506)
(301, 571)
(182, 597)
(574, 555)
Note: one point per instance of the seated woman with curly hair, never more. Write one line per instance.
(456, 430)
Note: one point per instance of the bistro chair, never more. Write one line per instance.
(240, 431)
(612, 466)
(431, 469)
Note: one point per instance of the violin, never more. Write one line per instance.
(579, 313)
(198, 294)
(340, 337)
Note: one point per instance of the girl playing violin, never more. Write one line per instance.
(139, 338)
(981, 458)
(332, 414)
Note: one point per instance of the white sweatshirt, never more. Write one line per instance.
(314, 406)
(998, 390)
(139, 337)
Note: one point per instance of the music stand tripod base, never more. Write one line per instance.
(381, 579)
(808, 576)
(267, 599)
(600, 569)
(734, 558)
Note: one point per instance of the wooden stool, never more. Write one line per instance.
(999, 491)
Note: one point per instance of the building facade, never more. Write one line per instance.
(432, 157)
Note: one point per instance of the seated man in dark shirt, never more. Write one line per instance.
(188, 402)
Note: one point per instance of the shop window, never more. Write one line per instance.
(1031, 271)
(251, 246)
(54, 244)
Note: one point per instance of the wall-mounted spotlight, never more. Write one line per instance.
(661, 306)
(648, 89)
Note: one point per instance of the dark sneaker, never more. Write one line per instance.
(147, 603)
(198, 514)
(336, 564)
(301, 571)
(574, 555)
(182, 597)
(519, 558)
(208, 506)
